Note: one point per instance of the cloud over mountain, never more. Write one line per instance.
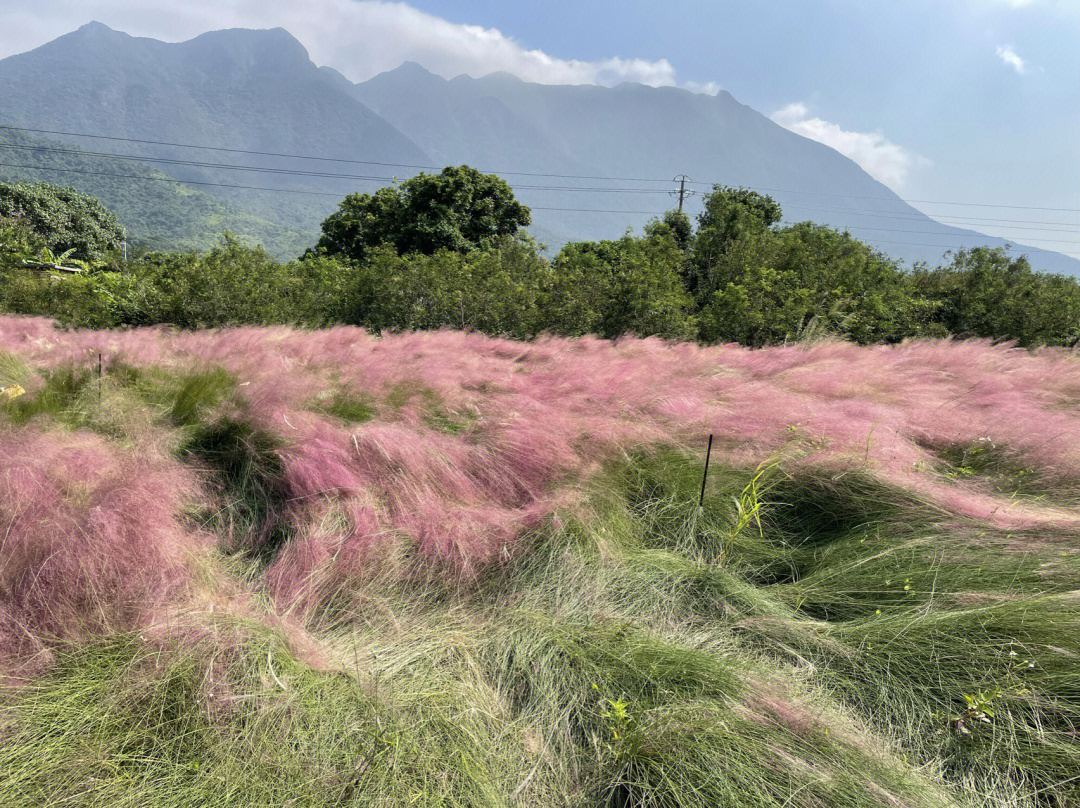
(884, 160)
(360, 38)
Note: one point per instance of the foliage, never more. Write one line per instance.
(497, 291)
(229, 285)
(985, 293)
(771, 287)
(630, 286)
(458, 209)
(676, 223)
(738, 277)
(64, 219)
(19, 241)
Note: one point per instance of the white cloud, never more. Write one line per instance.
(884, 160)
(707, 87)
(358, 37)
(1008, 54)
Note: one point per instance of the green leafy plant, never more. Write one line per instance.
(979, 709)
(69, 222)
(616, 716)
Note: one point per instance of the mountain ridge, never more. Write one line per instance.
(257, 90)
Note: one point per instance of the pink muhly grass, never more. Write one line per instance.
(550, 412)
(91, 542)
(334, 547)
(454, 502)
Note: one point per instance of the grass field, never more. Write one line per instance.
(264, 567)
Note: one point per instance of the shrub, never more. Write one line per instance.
(630, 286)
(64, 219)
(984, 293)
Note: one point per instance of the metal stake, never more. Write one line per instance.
(705, 475)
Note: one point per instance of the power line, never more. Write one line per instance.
(918, 216)
(682, 192)
(314, 157)
(295, 172)
(169, 179)
(1023, 251)
(912, 201)
(599, 210)
(961, 236)
(275, 190)
(338, 196)
(512, 173)
(190, 163)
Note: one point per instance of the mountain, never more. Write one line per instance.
(158, 211)
(635, 131)
(236, 89)
(239, 88)
(591, 161)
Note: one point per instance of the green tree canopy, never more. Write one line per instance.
(987, 293)
(798, 281)
(630, 286)
(676, 223)
(733, 219)
(458, 209)
(64, 218)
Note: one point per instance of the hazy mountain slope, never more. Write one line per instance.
(458, 120)
(239, 89)
(159, 212)
(635, 131)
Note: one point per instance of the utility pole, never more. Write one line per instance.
(682, 193)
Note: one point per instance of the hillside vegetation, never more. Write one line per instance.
(275, 567)
(157, 211)
(446, 250)
(252, 109)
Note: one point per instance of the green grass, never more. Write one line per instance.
(802, 639)
(246, 475)
(353, 409)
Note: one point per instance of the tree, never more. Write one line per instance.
(459, 209)
(807, 279)
(18, 241)
(63, 218)
(611, 288)
(757, 283)
(677, 224)
(496, 291)
(732, 218)
(985, 293)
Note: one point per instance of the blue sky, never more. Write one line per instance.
(935, 77)
(957, 100)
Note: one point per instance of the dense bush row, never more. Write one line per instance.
(738, 275)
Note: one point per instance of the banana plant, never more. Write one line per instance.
(63, 260)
